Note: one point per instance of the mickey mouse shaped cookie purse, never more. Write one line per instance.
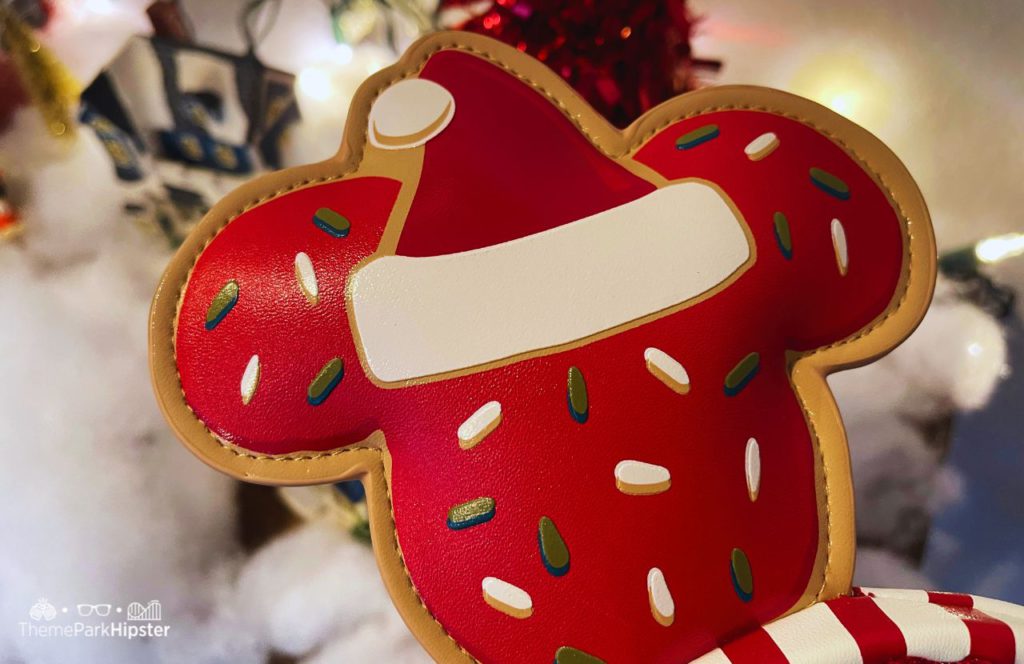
(580, 372)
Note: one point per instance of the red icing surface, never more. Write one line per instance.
(492, 184)
(539, 461)
(272, 319)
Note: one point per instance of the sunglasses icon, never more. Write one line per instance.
(86, 610)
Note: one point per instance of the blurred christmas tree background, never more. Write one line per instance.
(121, 121)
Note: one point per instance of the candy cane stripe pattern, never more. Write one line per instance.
(878, 626)
(544, 345)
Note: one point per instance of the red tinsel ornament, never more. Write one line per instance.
(9, 224)
(622, 56)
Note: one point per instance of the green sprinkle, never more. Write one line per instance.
(696, 137)
(325, 381)
(553, 552)
(576, 396)
(471, 513)
(223, 302)
(742, 374)
(742, 576)
(331, 222)
(830, 184)
(567, 655)
(782, 236)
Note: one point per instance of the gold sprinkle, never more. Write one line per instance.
(742, 373)
(553, 551)
(567, 655)
(696, 137)
(223, 302)
(830, 184)
(471, 513)
(576, 395)
(325, 382)
(742, 575)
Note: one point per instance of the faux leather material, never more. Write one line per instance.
(886, 626)
(511, 163)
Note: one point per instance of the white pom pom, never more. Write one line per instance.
(410, 113)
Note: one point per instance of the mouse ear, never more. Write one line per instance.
(841, 234)
(260, 360)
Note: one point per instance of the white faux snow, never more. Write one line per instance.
(98, 502)
(316, 587)
(952, 362)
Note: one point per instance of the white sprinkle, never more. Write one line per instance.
(250, 379)
(307, 277)
(479, 424)
(753, 468)
(507, 598)
(663, 607)
(637, 478)
(762, 146)
(839, 244)
(665, 368)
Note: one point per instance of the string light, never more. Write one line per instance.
(999, 247)
(101, 7)
(315, 83)
(848, 84)
(342, 54)
(844, 103)
(325, 86)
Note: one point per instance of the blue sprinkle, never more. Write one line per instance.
(469, 523)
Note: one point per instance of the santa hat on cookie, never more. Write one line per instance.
(546, 231)
(534, 192)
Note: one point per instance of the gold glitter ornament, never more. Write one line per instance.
(52, 88)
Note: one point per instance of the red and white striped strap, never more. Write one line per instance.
(876, 626)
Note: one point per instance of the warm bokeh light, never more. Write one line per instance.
(315, 83)
(1000, 247)
(325, 87)
(104, 7)
(341, 54)
(847, 84)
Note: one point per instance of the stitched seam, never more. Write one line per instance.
(635, 142)
(408, 575)
(290, 457)
(908, 255)
(293, 457)
(825, 482)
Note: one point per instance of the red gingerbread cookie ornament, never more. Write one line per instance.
(580, 371)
